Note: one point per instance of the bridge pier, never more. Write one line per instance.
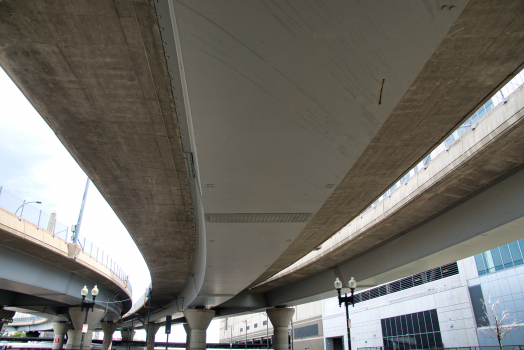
(74, 336)
(153, 328)
(127, 335)
(280, 318)
(198, 321)
(188, 335)
(7, 315)
(60, 330)
(109, 328)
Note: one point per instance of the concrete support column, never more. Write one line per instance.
(60, 332)
(188, 335)
(109, 328)
(153, 328)
(280, 318)
(127, 335)
(198, 320)
(74, 336)
(7, 315)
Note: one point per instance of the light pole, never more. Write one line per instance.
(245, 344)
(87, 305)
(352, 284)
(267, 330)
(22, 206)
(231, 327)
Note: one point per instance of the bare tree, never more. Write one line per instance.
(499, 324)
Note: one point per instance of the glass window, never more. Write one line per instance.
(418, 337)
(515, 253)
(497, 260)
(264, 323)
(404, 324)
(421, 323)
(412, 331)
(438, 340)
(434, 320)
(481, 267)
(416, 328)
(427, 318)
(506, 256)
(241, 330)
(488, 260)
(409, 319)
(247, 328)
(255, 325)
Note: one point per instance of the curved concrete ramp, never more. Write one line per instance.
(41, 277)
(96, 73)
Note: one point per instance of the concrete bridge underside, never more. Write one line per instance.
(33, 286)
(244, 110)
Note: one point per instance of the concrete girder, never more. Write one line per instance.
(36, 285)
(96, 73)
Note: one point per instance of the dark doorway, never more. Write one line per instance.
(338, 344)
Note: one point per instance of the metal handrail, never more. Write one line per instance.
(10, 202)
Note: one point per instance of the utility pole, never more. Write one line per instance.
(267, 330)
(79, 222)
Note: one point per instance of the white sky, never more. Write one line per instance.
(35, 166)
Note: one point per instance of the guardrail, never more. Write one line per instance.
(27, 319)
(500, 96)
(27, 211)
(496, 347)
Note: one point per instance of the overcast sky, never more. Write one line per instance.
(35, 166)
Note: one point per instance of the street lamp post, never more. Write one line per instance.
(245, 343)
(23, 206)
(267, 330)
(231, 335)
(87, 305)
(352, 284)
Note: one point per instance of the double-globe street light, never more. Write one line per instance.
(352, 284)
(87, 305)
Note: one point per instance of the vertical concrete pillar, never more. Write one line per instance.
(188, 335)
(74, 335)
(280, 318)
(198, 321)
(109, 328)
(60, 332)
(8, 315)
(153, 328)
(127, 335)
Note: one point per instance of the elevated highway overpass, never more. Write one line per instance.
(40, 277)
(232, 139)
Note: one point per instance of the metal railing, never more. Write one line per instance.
(26, 211)
(500, 97)
(504, 347)
(27, 319)
(408, 282)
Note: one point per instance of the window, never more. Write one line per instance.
(420, 330)
(247, 328)
(241, 330)
(409, 282)
(306, 331)
(264, 323)
(503, 257)
(255, 325)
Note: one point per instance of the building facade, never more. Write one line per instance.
(438, 308)
(306, 328)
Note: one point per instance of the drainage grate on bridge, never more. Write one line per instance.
(257, 218)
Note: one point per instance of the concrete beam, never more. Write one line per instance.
(486, 220)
